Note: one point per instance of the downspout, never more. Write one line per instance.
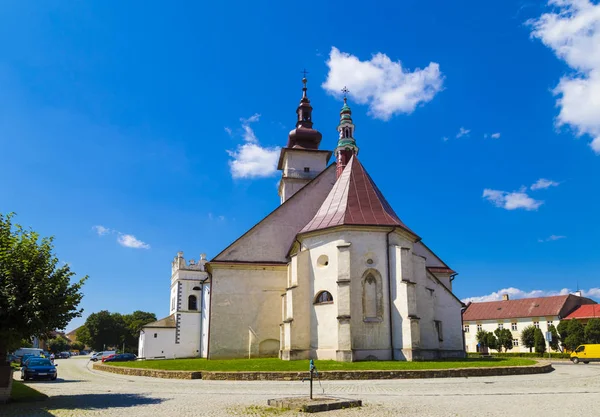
(389, 279)
(462, 329)
(212, 287)
(202, 303)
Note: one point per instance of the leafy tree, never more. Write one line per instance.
(576, 335)
(77, 346)
(563, 329)
(539, 341)
(592, 331)
(134, 323)
(83, 335)
(504, 339)
(105, 329)
(528, 337)
(554, 344)
(491, 341)
(58, 344)
(36, 295)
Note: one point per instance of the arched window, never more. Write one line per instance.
(324, 297)
(192, 302)
(372, 296)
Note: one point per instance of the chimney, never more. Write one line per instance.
(504, 297)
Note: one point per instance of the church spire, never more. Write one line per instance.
(304, 136)
(346, 146)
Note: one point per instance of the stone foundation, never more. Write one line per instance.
(540, 368)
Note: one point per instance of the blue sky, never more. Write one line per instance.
(159, 123)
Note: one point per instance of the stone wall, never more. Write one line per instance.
(540, 368)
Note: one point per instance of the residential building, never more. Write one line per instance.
(585, 312)
(516, 315)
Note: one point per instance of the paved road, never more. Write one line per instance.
(571, 390)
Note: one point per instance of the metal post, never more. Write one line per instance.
(312, 371)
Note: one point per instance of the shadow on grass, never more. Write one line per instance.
(101, 401)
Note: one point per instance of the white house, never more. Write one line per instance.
(516, 315)
(332, 273)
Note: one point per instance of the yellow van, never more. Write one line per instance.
(586, 354)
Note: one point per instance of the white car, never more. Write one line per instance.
(99, 355)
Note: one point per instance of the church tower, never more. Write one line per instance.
(301, 160)
(346, 146)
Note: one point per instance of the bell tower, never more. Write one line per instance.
(301, 160)
(346, 146)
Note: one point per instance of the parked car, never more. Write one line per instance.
(28, 351)
(10, 358)
(586, 354)
(121, 357)
(38, 368)
(63, 355)
(99, 355)
(26, 357)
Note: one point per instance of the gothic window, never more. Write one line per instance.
(192, 302)
(346, 132)
(438, 328)
(372, 297)
(324, 297)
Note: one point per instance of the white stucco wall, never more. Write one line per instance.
(491, 325)
(245, 310)
(161, 345)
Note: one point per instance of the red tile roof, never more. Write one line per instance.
(585, 312)
(525, 307)
(354, 200)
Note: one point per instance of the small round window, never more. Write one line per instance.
(323, 260)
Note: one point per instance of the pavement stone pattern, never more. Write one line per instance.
(80, 391)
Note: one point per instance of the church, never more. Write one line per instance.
(331, 273)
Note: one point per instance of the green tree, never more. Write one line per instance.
(592, 331)
(563, 329)
(504, 339)
(58, 344)
(528, 337)
(554, 344)
(492, 342)
(134, 323)
(539, 341)
(36, 294)
(77, 346)
(105, 330)
(576, 335)
(83, 335)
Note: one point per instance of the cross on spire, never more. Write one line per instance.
(304, 72)
(345, 91)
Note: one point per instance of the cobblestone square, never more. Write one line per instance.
(571, 390)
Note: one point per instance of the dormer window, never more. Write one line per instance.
(306, 169)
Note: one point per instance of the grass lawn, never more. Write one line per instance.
(23, 393)
(254, 365)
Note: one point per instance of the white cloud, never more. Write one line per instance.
(250, 160)
(213, 217)
(253, 161)
(515, 293)
(511, 200)
(572, 31)
(544, 183)
(386, 86)
(254, 118)
(101, 230)
(123, 239)
(130, 241)
(463, 132)
(552, 238)
(445, 138)
(229, 131)
(496, 135)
